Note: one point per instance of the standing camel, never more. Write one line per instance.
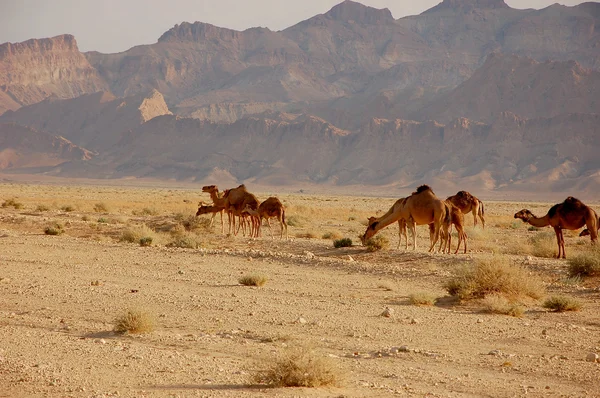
(454, 216)
(468, 203)
(571, 214)
(271, 207)
(401, 222)
(420, 208)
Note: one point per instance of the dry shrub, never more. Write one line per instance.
(497, 304)
(191, 223)
(146, 211)
(544, 244)
(299, 367)
(54, 229)
(253, 280)
(332, 235)
(422, 298)
(185, 240)
(494, 275)
(378, 242)
(585, 264)
(12, 203)
(344, 242)
(306, 235)
(295, 221)
(562, 304)
(42, 208)
(134, 321)
(138, 232)
(68, 208)
(101, 208)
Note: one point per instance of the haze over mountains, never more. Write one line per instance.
(470, 94)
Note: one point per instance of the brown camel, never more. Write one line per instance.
(401, 222)
(571, 214)
(235, 200)
(218, 201)
(421, 208)
(205, 209)
(586, 231)
(468, 203)
(454, 217)
(271, 207)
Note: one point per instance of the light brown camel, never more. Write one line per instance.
(271, 207)
(401, 222)
(218, 201)
(236, 200)
(420, 208)
(468, 203)
(571, 214)
(206, 209)
(454, 216)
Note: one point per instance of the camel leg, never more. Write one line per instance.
(559, 242)
(436, 236)
(413, 229)
(222, 225)
(475, 211)
(592, 225)
(212, 219)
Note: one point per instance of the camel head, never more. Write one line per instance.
(524, 215)
(370, 229)
(202, 209)
(209, 188)
(248, 209)
(585, 232)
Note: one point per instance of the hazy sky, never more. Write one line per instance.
(115, 25)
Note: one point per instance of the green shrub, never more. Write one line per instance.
(562, 304)
(344, 242)
(146, 241)
(585, 263)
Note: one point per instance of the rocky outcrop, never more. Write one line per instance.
(95, 121)
(36, 69)
(23, 147)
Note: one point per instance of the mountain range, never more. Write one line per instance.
(470, 94)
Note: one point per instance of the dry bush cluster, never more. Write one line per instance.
(134, 321)
(585, 264)
(253, 280)
(562, 304)
(299, 367)
(378, 242)
(422, 298)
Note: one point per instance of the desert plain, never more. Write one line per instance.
(61, 294)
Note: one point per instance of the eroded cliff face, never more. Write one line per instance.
(38, 68)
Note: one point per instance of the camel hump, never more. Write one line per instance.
(423, 188)
(573, 204)
(242, 186)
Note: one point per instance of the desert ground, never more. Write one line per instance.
(61, 294)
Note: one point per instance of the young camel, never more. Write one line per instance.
(468, 203)
(571, 214)
(271, 207)
(235, 200)
(421, 208)
(454, 217)
(205, 209)
(218, 201)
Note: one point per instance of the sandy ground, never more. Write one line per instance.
(60, 295)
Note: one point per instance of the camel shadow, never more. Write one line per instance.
(208, 387)
(106, 334)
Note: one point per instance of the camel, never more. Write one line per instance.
(454, 217)
(271, 207)
(571, 214)
(586, 231)
(218, 201)
(205, 209)
(236, 200)
(421, 208)
(468, 203)
(401, 222)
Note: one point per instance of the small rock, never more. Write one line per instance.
(301, 320)
(404, 348)
(388, 312)
(350, 258)
(495, 352)
(480, 320)
(414, 321)
(592, 357)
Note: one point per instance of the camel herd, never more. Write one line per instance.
(238, 202)
(422, 207)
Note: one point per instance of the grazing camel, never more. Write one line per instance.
(468, 203)
(218, 201)
(586, 231)
(234, 201)
(401, 222)
(271, 207)
(421, 208)
(570, 214)
(205, 209)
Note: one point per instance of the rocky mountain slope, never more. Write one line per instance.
(468, 93)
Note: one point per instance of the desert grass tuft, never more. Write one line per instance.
(299, 367)
(494, 275)
(101, 208)
(344, 242)
(585, 263)
(42, 208)
(497, 304)
(544, 244)
(562, 304)
(306, 235)
(134, 321)
(12, 203)
(54, 229)
(146, 241)
(67, 208)
(136, 233)
(146, 211)
(332, 235)
(253, 280)
(422, 298)
(186, 240)
(376, 243)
